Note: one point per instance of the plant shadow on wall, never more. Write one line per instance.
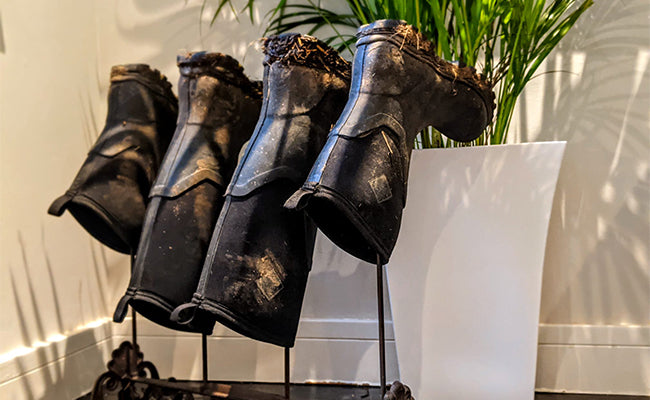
(596, 269)
(506, 40)
(160, 30)
(335, 273)
(79, 364)
(2, 37)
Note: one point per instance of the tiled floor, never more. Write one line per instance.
(334, 392)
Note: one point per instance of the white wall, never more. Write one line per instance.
(54, 63)
(596, 285)
(597, 259)
(341, 294)
(55, 280)
(60, 283)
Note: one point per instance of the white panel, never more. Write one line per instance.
(325, 351)
(465, 277)
(23, 360)
(597, 266)
(594, 369)
(54, 278)
(242, 359)
(581, 359)
(604, 359)
(307, 329)
(64, 379)
(597, 335)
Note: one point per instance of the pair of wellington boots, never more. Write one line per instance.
(256, 270)
(219, 107)
(260, 251)
(153, 182)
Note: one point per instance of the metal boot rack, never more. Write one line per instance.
(130, 377)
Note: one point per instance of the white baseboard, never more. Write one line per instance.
(571, 358)
(594, 359)
(63, 367)
(66, 366)
(326, 350)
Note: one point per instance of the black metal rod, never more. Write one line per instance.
(287, 374)
(382, 336)
(204, 356)
(134, 325)
(134, 329)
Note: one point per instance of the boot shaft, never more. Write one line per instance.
(142, 113)
(297, 92)
(109, 194)
(218, 110)
(141, 95)
(357, 187)
(256, 269)
(218, 106)
(215, 93)
(301, 73)
(396, 66)
(306, 85)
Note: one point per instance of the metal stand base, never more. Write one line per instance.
(287, 373)
(129, 377)
(381, 323)
(397, 391)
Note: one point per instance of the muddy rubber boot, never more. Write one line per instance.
(219, 106)
(255, 274)
(356, 189)
(108, 196)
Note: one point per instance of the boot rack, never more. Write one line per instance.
(130, 377)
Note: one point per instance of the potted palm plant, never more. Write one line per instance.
(465, 276)
(507, 40)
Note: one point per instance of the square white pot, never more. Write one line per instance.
(465, 277)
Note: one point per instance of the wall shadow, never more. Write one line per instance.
(596, 269)
(597, 260)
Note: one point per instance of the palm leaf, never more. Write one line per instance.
(511, 37)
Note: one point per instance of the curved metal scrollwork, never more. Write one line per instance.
(147, 366)
(127, 375)
(107, 386)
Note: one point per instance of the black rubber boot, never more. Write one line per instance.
(255, 274)
(108, 196)
(218, 110)
(356, 190)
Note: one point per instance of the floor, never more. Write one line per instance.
(336, 392)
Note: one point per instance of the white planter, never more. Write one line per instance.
(465, 277)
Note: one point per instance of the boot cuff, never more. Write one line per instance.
(144, 73)
(297, 49)
(219, 66)
(408, 35)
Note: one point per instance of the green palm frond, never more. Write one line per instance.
(506, 39)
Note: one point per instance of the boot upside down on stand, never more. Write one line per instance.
(256, 270)
(329, 148)
(356, 189)
(108, 196)
(218, 109)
